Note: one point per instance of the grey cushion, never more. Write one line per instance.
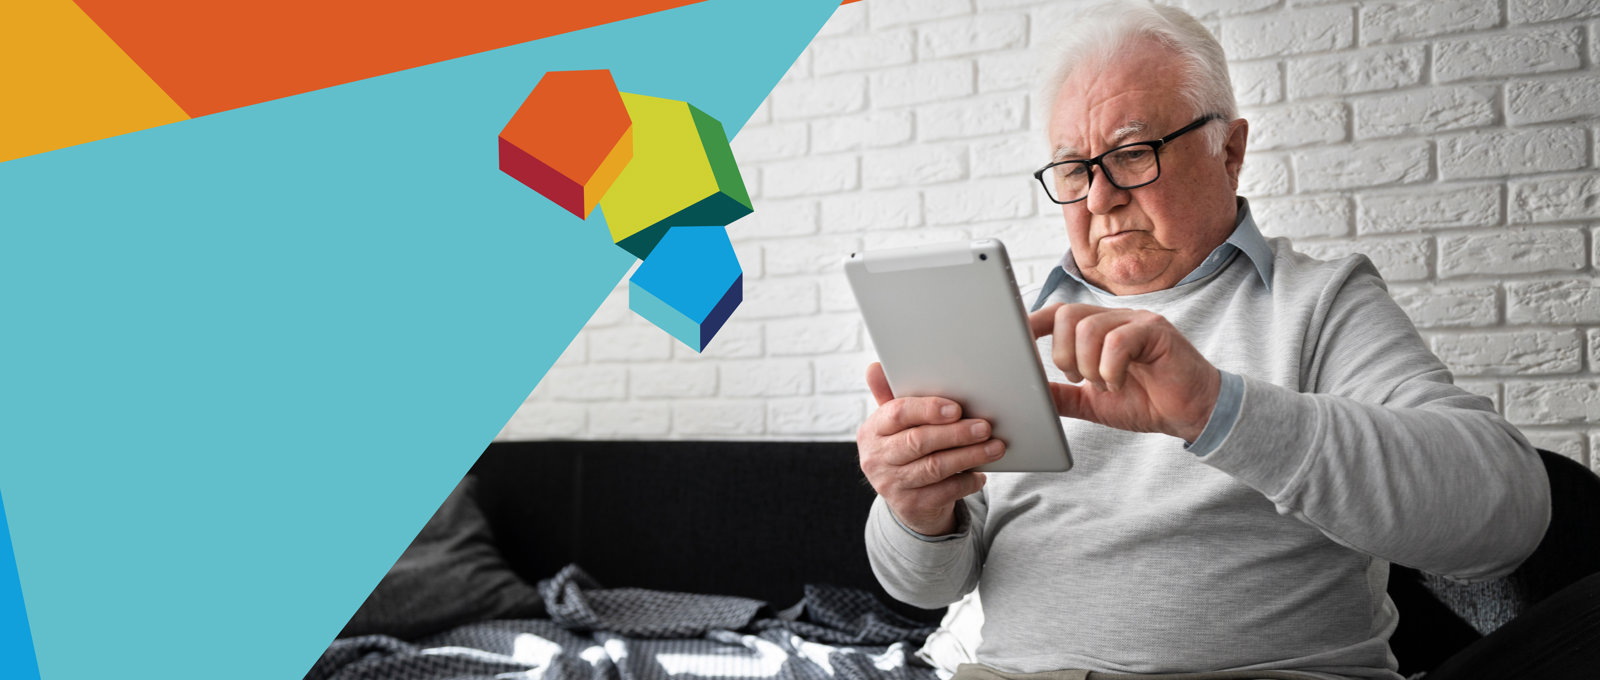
(450, 575)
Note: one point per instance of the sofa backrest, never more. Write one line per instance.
(756, 519)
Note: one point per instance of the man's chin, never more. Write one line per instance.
(1124, 278)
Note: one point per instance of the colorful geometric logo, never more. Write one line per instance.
(663, 176)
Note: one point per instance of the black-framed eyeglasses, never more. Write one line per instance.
(1129, 166)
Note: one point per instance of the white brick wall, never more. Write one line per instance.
(1453, 141)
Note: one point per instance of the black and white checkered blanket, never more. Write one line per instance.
(633, 634)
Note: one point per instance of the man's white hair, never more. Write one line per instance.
(1104, 33)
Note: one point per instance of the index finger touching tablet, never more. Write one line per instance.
(1043, 322)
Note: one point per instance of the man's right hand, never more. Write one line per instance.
(918, 454)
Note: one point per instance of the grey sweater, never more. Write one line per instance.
(1352, 449)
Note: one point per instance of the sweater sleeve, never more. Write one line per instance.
(927, 572)
(1385, 454)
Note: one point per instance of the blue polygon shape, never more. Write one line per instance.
(723, 310)
(658, 312)
(690, 284)
(16, 641)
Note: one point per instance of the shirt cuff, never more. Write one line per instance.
(963, 522)
(1229, 397)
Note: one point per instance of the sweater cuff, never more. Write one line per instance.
(963, 522)
(915, 547)
(1269, 445)
(1223, 415)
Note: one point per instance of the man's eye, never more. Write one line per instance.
(1133, 155)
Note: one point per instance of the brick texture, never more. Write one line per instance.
(1453, 142)
(1505, 152)
(1553, 99)
(1554, 198)
(1522, 251)
(1282, 127)
(1398, 259)
(1385, 68)
(1288, 32)
(1425, 111)
(1520, 352)
(1256, 83)
(1554, 301)
(1513, 53)
(1446, 206)
(1369, 165)
(1385, 22)
(1448, 306)
(1303, 216)
(1537, 11)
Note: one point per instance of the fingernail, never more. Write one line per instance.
(949, 411)
(994, 449)
(980, 430)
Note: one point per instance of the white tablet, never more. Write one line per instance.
(947, 321)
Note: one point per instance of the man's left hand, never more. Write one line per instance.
(1136, 370)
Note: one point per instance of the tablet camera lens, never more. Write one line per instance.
(983, 256)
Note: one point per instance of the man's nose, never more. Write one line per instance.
(1103, 195)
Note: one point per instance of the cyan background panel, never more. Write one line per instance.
(247, 355)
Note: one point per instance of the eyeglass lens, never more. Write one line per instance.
(1126, 168)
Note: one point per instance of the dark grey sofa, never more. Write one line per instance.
(762, 519)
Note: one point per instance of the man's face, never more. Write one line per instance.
(1147, 238)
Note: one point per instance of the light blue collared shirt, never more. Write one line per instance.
(1247, 239)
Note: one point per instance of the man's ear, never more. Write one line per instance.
(1233, 149)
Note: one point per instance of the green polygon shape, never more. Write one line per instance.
(718, 209)
(641, 243)
(720, 155)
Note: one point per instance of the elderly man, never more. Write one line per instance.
(1258, 434)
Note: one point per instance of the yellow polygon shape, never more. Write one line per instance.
(671, 179)
(663, 170)
(65, 82)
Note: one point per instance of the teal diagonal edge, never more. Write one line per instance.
(247, 355)
(16, 642)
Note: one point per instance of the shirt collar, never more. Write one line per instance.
(1246, 238)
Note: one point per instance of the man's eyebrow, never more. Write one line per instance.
(1122, 134)
(1118, 136)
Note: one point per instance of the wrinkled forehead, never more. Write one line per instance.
(1069, 146)
(1126, 97)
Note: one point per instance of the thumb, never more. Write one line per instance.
(878, 383)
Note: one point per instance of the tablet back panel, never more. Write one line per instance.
(947, 320)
